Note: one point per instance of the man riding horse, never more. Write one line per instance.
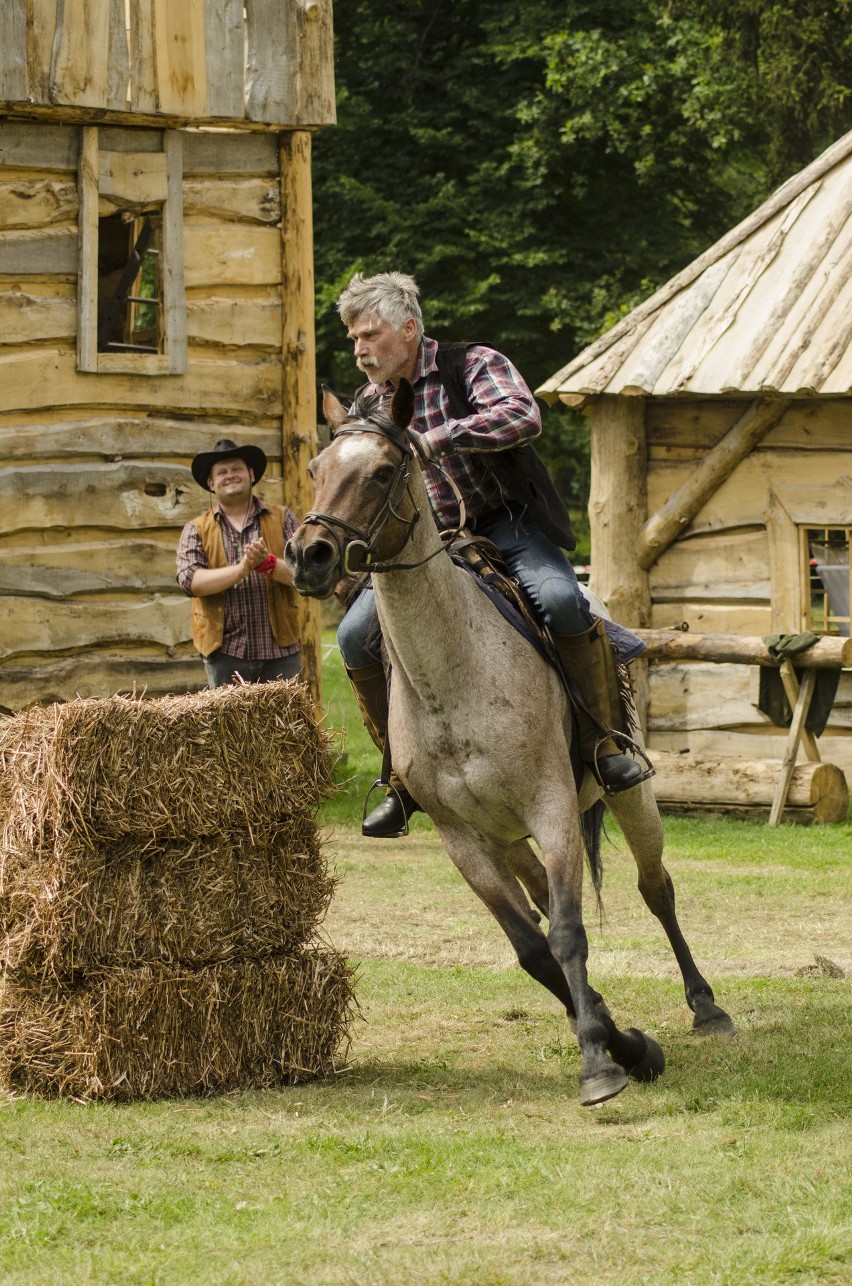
(467, 483)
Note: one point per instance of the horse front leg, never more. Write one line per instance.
(639, 819)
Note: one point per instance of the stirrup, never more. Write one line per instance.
(625, 743)
(387, 785)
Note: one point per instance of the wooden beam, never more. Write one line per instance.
(87, 255)
(663, 527)
(299, 421)
(829, 652)
(791, 688)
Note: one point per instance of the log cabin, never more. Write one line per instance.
(156, 294)
(721, 492)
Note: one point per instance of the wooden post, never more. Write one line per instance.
(617, 511)
(791, 751)
(299, 416)
(791, 687)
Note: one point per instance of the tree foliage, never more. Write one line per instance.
(541, 171)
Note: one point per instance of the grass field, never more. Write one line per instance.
(450, 1147)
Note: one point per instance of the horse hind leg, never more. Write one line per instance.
(638, 816)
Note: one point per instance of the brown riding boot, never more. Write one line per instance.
(589, 666)
(389, 820)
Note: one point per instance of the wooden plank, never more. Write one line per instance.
(118, 74)
(88, 283)
(235, 322)
(314, 40)
(29, 625)
(37, 203)
(114, 566)
(113, 436)
(214, 256)
(788, 765)
(238, 390)
(299, 410)
(40, 253)
(31, 146)
(124, 138)
(126, 495)
(28, 319)
(827, 653)
(702, 694)
(81, 54)
(718, 465)
(224, 36)
(825, 340)
(143, 73)
(719, 565)
(98, 675)
(41, 27)
(692, 424)
(174, 285)
(13, 50)
(711, 618)
(133, 178)
(243, 200)
(271, 62)
(236, 153)
(179, 57)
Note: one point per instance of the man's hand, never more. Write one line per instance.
(254, 554)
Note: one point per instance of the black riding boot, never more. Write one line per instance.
(589, 666)
(389, 820)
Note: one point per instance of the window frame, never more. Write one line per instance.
(131, 180)
(792, 511)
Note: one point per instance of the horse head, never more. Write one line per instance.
(363, 513)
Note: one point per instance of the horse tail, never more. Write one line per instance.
(591, 825)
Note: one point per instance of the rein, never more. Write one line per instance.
(362, 542)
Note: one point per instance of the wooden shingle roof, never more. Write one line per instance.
(767, 309)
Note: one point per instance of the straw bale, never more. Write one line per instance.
(217, 761)
(156, 1031)
(67, 908)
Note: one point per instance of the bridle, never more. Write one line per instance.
(357, 554)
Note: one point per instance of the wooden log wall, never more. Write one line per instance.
(94, 477)
(255, 64)
(723, 574)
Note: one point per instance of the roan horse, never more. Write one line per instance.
(480, 728)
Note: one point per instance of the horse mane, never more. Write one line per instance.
(369, 408)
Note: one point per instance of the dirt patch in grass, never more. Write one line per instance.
(404, 900)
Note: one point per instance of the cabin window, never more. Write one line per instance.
(825, 566)
(130, 283)
(131, 301)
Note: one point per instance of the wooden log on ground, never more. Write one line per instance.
(746, 787)
(676, 645)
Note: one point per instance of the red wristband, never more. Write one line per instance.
(268, 565)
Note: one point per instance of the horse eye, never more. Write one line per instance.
(384, 474)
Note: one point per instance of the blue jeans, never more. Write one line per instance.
(220, 668)
(544, 571)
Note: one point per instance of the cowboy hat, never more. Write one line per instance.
(226, 449)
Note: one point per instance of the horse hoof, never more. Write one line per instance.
(718, 1024)
(710, 1020)
(652, 1063)
(603, 1085)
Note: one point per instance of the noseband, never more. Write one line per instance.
(357, 554)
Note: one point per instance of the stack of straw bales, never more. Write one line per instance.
(161, 886)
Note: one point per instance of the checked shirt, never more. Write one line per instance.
(506, 415)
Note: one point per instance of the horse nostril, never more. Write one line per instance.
(319, 555)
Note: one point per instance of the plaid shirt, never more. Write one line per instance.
(506, 415)
(247, 632)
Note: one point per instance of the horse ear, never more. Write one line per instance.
(332, 408)
(402, 405)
